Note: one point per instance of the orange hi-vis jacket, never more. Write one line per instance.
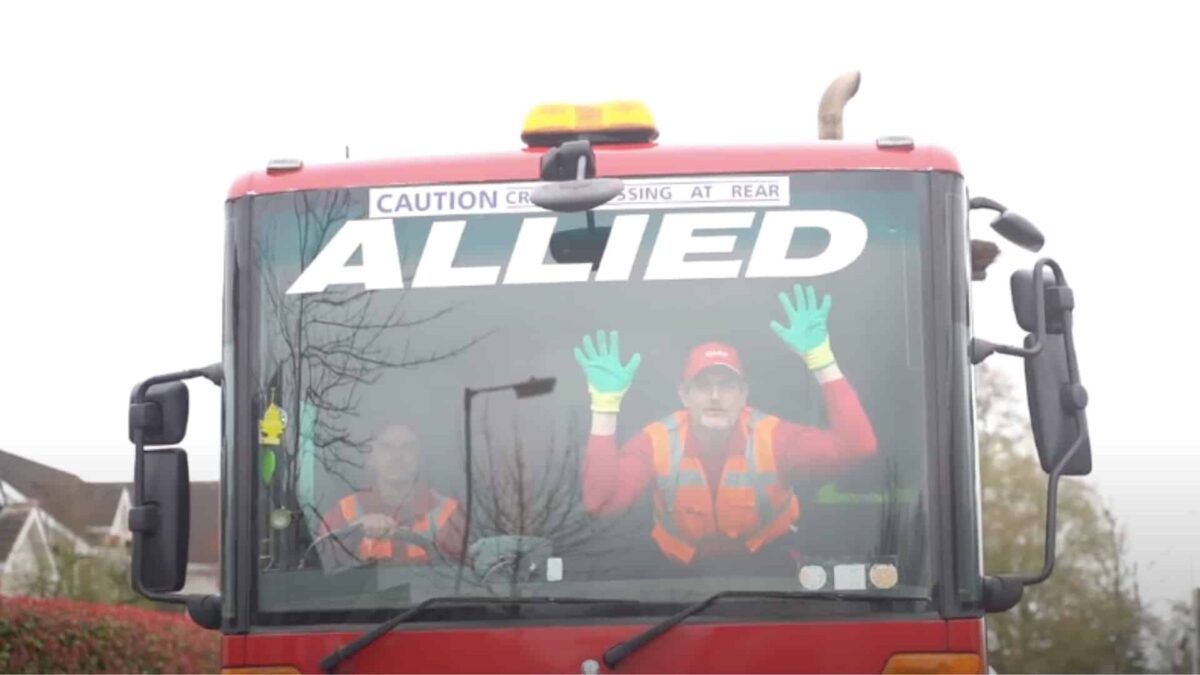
(753, 505)
(384, 549)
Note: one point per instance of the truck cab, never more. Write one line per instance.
(601, 404)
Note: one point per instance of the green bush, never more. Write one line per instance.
(65, 636)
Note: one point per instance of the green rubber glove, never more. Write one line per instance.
(807, 332)
(607, 379)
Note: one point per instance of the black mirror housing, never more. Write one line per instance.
(1056, 405)
(162, 523)
(1059, 299)
(162, 417)
(1017, 229)
(1056, 397)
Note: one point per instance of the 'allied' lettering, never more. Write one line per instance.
(679, 235)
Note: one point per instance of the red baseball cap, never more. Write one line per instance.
(712, 354)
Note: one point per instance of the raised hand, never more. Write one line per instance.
(807, 332)
(608, 379)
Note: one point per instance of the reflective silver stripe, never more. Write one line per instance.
(434, 515)
(670, 483)
(751, 478)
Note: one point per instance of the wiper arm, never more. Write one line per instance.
(330, 663)
(619, 651)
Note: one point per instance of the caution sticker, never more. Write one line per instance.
(468, 199)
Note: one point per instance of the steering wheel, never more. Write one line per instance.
(507, 556)
(398, 535)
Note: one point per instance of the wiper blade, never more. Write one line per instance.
(330, 663)
(619, 651)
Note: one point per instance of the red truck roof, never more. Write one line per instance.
(624, 160)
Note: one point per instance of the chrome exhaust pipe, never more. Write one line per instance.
(829, 115)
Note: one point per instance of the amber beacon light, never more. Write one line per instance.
(615, 122)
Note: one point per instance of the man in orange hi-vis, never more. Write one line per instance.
(399, 502)
(719, 468)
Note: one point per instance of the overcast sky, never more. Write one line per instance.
(124, 125)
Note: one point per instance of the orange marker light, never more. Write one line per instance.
(934, 663)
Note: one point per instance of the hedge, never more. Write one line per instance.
(65, 636)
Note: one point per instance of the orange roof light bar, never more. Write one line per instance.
(552, 124)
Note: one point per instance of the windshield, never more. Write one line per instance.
(452, 400)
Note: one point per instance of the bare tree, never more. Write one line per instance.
(335, 345)
(535, 492)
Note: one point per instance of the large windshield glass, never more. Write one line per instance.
(732, 396)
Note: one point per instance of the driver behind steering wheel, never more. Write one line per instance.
(399, 504)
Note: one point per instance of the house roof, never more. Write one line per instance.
(76, 504)
(88, 509)
(205, 533)
(12, 519)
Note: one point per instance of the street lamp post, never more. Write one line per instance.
(534, 386)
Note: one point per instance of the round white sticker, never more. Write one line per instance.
(884, 575)
(813, 577)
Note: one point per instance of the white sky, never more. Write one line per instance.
(123, 126)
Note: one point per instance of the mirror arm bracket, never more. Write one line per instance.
(144, 519)
(1060, 298)
(146, 415)
(205, 610)
(980, 349)
(1001, 593)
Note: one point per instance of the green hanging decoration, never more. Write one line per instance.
(266, 466)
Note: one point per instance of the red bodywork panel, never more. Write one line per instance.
(694, 648)
(628, 160)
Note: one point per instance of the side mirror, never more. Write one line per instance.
(1011, 225)
(163, 520)
(1017, 229)
(1056, 404)
(1056, 397)
(162, 416)
(160, 518)
(1043, 304)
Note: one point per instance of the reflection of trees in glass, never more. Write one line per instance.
(536, 490)
(902, 524)
(322, 350)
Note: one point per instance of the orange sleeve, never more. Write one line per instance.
(332, 520)
(449, 537)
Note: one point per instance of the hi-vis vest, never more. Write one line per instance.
(384, 549)
(753, 505)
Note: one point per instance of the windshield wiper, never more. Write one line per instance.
(330, 663)
(619, 651)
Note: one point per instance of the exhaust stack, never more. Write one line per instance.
(829, 115)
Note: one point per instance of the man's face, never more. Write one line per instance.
(714, 398)
(395, 457)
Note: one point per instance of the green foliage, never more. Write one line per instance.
(1089, 616)
(101, 577)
